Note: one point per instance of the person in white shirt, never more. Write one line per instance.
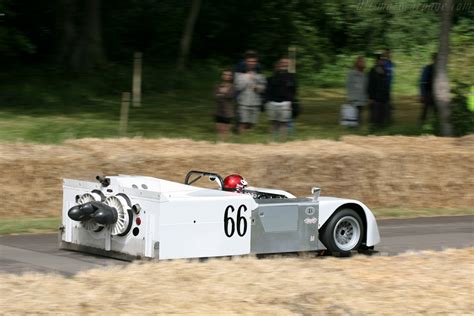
(249, 86)
(357, 87)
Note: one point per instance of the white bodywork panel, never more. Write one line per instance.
(191, 229)
(183, 221)
(328, 205)
(177, 220)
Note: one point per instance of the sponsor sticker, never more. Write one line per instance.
(310, 220)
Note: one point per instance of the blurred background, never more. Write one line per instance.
(66, 63)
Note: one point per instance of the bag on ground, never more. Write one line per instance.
(348, 115)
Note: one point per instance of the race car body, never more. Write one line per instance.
(143, 217)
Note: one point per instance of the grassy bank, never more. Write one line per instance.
(192, 117)
(51, 224)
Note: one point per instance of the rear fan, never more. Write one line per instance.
(90, 224)
(124, 218)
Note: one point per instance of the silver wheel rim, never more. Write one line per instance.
(346, 233)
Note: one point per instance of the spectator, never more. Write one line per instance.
(249, 85)
(379, 94)
(242, 65)
(426, 89)
(389, 66)
(224, 94)
(281, 92)
(389, 69)
(357, 87)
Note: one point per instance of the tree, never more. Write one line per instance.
(188, 34)
(66, 23)
(81, 45)
(12, 40)
(441, 81)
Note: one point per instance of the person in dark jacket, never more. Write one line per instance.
(379, 94)
(389, 67)
(280, 93)
(426, 90)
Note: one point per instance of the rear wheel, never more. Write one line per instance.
(343, 232)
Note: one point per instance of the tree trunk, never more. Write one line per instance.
(88, 52)
(188, 34)
(66, 25)
(441, 81)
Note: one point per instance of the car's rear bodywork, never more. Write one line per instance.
(160, 219)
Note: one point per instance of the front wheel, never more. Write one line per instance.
(343, 232)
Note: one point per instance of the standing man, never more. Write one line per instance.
(249, 85)
(281, 93)
(241, 66)
(379, 94)
(357, 87)
(426, 90)
(389, 66)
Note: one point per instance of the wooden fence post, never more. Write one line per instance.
(124, 113)
(292, 57)
(137, 79)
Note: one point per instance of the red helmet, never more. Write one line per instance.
(234, 182)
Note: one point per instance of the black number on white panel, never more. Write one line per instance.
(230, 224)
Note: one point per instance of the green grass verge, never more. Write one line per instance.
(421, 212)
(51, 224)
(29, 225)
(191, 116)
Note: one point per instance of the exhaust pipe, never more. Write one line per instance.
(100, 212)
(105, 215)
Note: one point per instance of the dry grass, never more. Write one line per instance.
(383, 172)
(416, 283)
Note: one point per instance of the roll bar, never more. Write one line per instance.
(212, 176)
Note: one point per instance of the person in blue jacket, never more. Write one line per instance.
(389, 66)
(427, 90)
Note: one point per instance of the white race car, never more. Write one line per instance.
(131, 217)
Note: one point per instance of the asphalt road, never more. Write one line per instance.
(40, 253)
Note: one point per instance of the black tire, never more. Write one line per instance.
(343, 232)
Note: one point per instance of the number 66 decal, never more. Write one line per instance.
(230, 222)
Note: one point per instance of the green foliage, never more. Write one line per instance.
(13, 42)
(461, 57)
(322, 30)
(410, 30)
(461, 117)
